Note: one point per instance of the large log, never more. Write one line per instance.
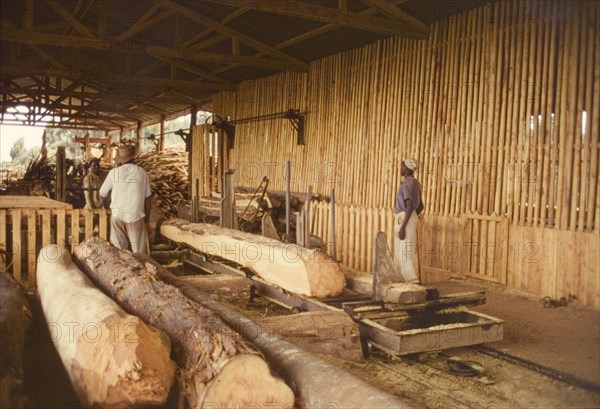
(218, 368)
(317, 383)
(15, 318)
(113, 359)
(293, 268)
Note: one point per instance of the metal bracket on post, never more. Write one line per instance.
(184, 135)
(228, 128)
(297, 120)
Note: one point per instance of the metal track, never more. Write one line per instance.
(545, 370)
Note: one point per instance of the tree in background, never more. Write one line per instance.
(20, 155)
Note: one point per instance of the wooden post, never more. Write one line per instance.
(307, 220)
(161, 139)
(61, 174)
(188, 144)
(332, 218)
(228, 212)
(3, 237)
(138, 135)
(287, 198)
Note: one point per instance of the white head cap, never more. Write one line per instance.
(411, 163)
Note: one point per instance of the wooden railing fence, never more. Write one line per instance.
(23, 232)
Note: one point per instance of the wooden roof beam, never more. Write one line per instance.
(144, 22)
(92, 108)
(323, 14)
(391, 10)
(217, 26)
(33, 37)
(104, 94)
(116, 78)
(297, 39)
(69, 18)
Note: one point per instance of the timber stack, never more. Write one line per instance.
(168, 178)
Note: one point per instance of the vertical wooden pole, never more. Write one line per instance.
(593, 216)
(3, 239)
(307, 220)
(287, 199)
(74, 227)
(228, 211)
(31, 246)
(332, 219)
(161, 139)
(138, 137)
(61, 174)
(16, 244)
(60, 226)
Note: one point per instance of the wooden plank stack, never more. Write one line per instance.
(168, 178)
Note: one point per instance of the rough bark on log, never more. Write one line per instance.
(317, 383)
(322, 332)
(293, 268)
(221, 286)
(113, 359)
(15, 319)
(218, 368)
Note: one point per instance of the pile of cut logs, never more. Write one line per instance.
(168, 178)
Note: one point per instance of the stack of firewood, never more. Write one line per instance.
(42, 174)
(168, 178)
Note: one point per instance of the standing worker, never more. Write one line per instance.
(408, 206)
(130, 202)
(91, 185)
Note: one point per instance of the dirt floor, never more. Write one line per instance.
(566, 339)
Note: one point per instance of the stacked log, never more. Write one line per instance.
(15, 318)
(168, 172)
(292, 267)
(218, 367)
(113, 359)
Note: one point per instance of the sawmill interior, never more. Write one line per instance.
(345, 204)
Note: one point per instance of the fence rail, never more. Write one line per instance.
(23, 232)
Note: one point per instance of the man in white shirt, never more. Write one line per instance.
(126, 190)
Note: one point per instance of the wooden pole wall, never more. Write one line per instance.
(492, 106)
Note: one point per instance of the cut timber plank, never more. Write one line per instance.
(221, 286)
(388, 283)
(292, 267)
(113, 359)
(322, 332)
(402, 293)
(216, 363)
